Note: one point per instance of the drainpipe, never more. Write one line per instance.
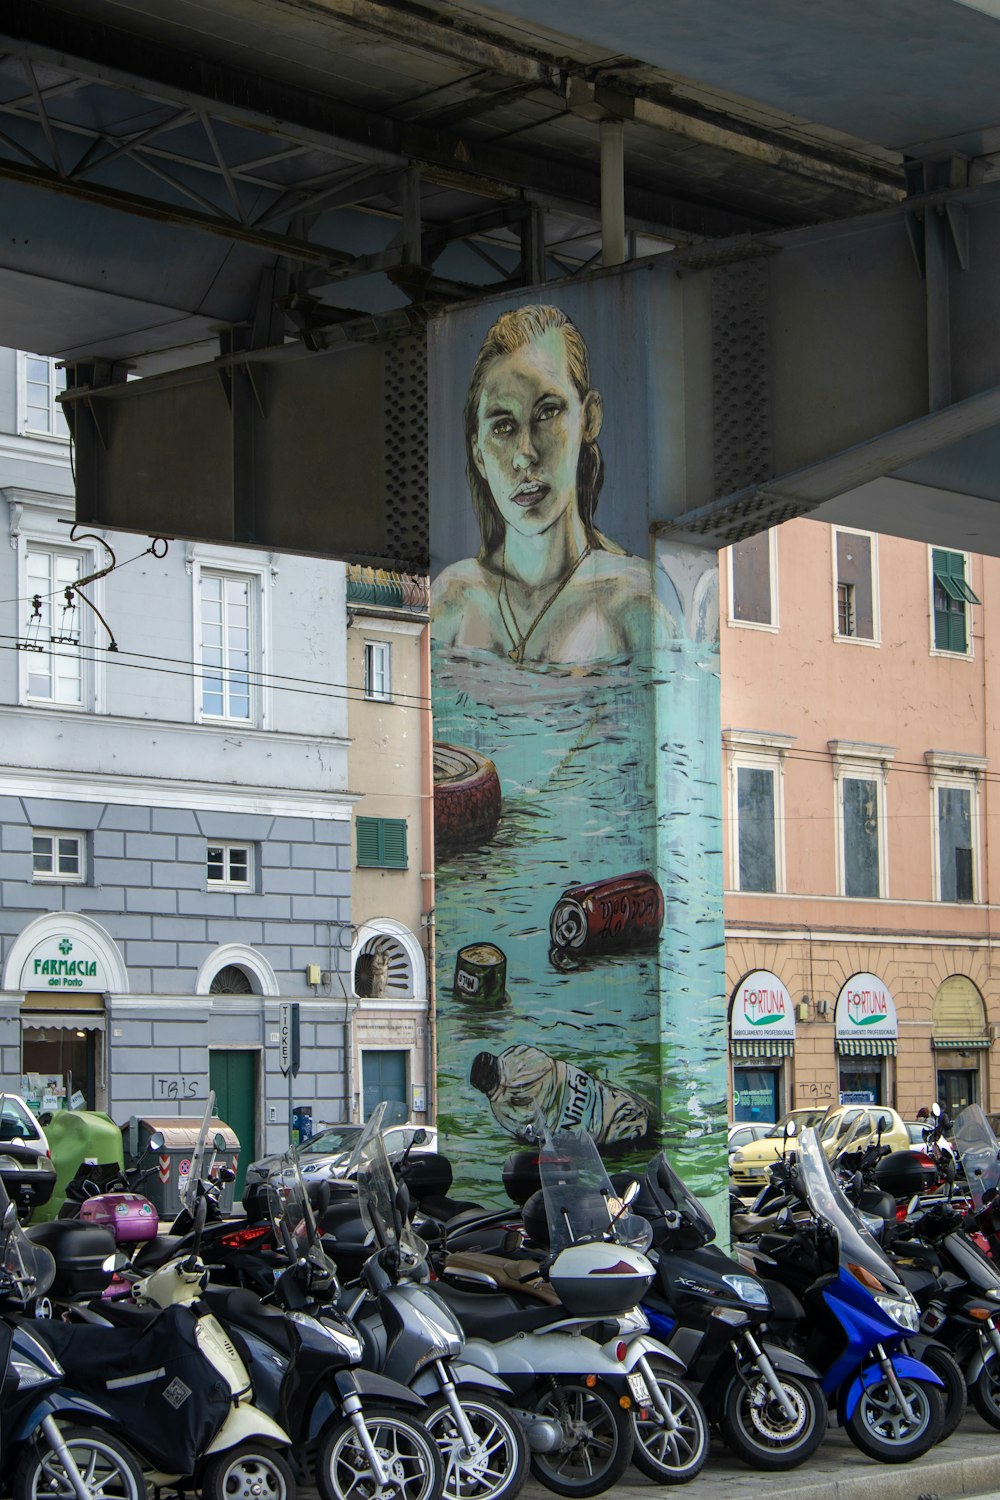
(427, 863)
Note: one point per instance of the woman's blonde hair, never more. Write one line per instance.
(515, 329)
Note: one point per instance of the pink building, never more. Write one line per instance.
(860, 752)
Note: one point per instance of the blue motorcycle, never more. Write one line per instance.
(858, 1314)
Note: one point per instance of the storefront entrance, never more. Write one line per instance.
(957, 1087)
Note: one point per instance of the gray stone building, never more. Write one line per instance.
(176, 846)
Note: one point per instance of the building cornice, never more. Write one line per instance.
(152, 791)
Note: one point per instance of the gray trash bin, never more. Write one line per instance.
(173, 1160)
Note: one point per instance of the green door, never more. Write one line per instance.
(383, 1076)
(233, 1076)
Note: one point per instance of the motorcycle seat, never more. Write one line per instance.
(244, 1309)
(523, 1277)
(495, 1316)
(157, 1251)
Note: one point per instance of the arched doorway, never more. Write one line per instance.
(960, 1038)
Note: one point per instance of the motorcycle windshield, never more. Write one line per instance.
(828, 1203)
(671, 1192)
(378, 1192)
(291, 1215)
(188, 1185)
(978, 1150)
(580, 1201)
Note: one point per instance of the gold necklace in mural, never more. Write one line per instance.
(519, 641)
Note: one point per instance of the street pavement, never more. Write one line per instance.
(968, 1465)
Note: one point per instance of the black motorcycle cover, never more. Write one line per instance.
(168, 1397)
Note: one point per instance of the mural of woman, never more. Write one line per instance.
(547, 585)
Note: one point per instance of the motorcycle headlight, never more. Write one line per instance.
(28, 1374)
(902, 1310)
(748, 1290)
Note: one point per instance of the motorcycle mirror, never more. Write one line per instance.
(9, 1218)
(936, 1110)
(419, 1137)
(155, 1142)
(913, 1205)
(884, 1124)
(791, 1129)
(403, 1202)
(219, 1141)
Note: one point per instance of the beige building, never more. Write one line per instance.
(860, 754)
(392, 898)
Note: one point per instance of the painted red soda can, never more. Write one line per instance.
(608, 916)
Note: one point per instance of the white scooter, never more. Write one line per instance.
(594, 1392)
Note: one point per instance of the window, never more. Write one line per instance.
(57, 857)
(755, 809)
(378, 661)
(39, 384)
(955, 823)
(860, 773)
(227, 605)
(952, 597)
(53, 628)
(382, 843)
(230, 865)
(855, 579)
(751, 581)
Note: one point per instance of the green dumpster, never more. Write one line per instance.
(76, 1136)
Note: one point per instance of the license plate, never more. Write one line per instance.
(640, 1390)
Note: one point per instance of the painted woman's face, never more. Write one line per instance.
(531, 424)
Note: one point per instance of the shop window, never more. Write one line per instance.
(58, 857)
(856, 586)
(952, 598)
(230, 865)
(228, 646)
(381, 843)
(752, 571)
(378, 676)
(39, 383)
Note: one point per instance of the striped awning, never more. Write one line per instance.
(761, 1048)
(960, 1043)
(867, 1046)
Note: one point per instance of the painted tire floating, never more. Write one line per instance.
(467, 798)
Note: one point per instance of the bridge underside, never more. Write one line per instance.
(242, 207)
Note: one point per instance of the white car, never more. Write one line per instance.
(325, 1155)
(26, 1167)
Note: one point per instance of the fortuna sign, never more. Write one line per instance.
(865, 1007)
(64, 963)
(762, 1007)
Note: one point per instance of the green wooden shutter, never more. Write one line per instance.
(368, 841)
(381, 843)
(951, 595)
(394, 843)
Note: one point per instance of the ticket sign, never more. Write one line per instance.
(762, 1007)
(865, 1008)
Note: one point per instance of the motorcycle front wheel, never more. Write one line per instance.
(497, 1466)
(985, 1392)
(597, 1439)
(880, 1428)
(250, 1471)
(107, 1468)
(343, 1470)
(755, 1427)
(670, 1454)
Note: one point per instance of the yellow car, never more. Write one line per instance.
(750, 1165)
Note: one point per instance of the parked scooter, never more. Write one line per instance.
(767, 1402)
(363, 1429)
(410, 1335)
(858, 1316)
(56, 1442)
(594, 1390)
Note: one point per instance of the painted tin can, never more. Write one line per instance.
(608, 916)
(481, 974)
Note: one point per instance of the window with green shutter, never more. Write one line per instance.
(381, 843)
(952, 596)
